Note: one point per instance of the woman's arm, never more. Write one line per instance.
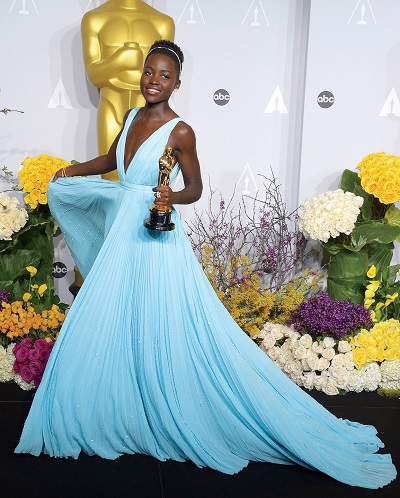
(98, 166)
(183, 143)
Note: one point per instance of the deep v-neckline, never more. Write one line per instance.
(126, 167)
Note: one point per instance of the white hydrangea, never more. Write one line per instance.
(7, 360)
(12, 217)
(330, 214)
(390, 374)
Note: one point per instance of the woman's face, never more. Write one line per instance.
(159, 78)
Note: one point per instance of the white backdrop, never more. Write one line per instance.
(273, 57)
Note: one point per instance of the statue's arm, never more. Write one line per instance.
(101, 71)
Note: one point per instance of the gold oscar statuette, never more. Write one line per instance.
(160, 216)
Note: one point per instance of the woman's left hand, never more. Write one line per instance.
(163, 196)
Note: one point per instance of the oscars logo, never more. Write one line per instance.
(160, 216)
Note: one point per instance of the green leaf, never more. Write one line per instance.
(375, 231)
(392, 216)
(349, 180)
(380, 255)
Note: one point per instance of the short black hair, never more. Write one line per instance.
(169, 49)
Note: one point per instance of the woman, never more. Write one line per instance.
(149, 360)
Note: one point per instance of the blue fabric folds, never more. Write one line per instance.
(149, 360)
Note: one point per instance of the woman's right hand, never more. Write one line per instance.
(61, 173)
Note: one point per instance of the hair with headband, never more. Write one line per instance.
(168, 48)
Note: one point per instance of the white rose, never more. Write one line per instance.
(312, 361)
(328, 342)
(306, 341)
(300, 353)
(349, 361)
(344, 347)
(330, 389)
(273, 353)
(305, 365)
(295, 367)
(328, 353)
(268, 342)
(338, 360)
(323, 364)
(309, 379)
(320, 382)
(339, 382)
(337, 371)
(317, 347)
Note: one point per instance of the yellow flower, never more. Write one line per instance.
(32, 270)
(379, 306)
(26, 297)
(368, 302)
(369, 293)
(42, 289)
(359, 357)
(390, 298)
(34, 286)
(371, 273)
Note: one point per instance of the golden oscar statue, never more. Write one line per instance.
(160, 216)
(116, 38)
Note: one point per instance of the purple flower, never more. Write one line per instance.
(26, 373)
(321, 315)
(4, 297)
(22, 354)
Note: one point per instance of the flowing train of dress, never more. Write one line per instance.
(149, 360)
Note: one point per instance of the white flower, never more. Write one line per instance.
(329, 388)
(317, 347)
(273, 352)
(312, 361)
(349, 361)
(322, 364)
(22, 384)
(337, 371)
(329, 214)
(328, 353)
(309, 380)
(306, 341)
(7, 360)
(338, 360)
(344, 346)
(295, 367)
(372, 376)
(390, 374)
(268, 342)
(328, 342)
(300, 353)
(12, 218)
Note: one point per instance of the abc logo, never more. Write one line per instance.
(59, 270)
(221, 97)
(325, 99)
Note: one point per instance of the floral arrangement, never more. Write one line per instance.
(251, 305)
(381, 295)
(380, 343)
(31, 359)
(257, 237)
(326, 365)
(330, 214)
(12, 217)
(379, 174)
(321, 316)
(32, 244)
(377, 226)
(35, 176)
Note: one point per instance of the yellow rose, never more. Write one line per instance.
(371, 353)
(359, 357)
(391, 354)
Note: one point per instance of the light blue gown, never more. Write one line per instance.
(149, 360)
